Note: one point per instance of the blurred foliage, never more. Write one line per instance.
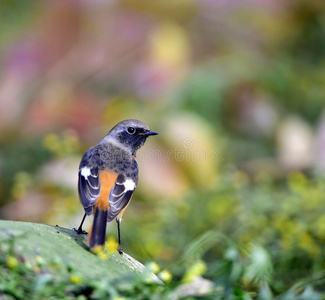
(232, 189)
(237, 276)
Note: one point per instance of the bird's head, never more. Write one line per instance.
(131, 134)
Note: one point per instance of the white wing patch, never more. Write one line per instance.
(120, 195)
(129, 185)
(85, 172)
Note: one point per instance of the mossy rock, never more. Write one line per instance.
(54, 243)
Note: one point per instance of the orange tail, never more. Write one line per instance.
(97, 234)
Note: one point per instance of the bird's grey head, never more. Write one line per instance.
(130, 134)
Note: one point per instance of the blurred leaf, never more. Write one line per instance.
(259, 269)
(197, 248)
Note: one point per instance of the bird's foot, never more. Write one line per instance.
(120, 250)
(80, 231)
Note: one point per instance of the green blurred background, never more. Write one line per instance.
(236, 90)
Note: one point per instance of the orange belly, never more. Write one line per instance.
(107, 180)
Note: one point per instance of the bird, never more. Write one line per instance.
(108, 176)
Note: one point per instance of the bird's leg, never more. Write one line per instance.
(79, 230)
(118, 221)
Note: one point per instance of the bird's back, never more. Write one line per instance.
(110, 157)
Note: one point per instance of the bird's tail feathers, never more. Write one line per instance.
(97, 234)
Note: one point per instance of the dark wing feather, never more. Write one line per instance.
(89, 188)
(119, 196)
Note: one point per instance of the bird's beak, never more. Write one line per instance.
(151, 133)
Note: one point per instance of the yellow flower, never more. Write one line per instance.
(12, 262)
(195, 271)
(111, 244)
(98, 249)
(306, 242)
(75, 279)
(154, 267)
(165, 276)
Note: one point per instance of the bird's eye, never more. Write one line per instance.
(131, 130)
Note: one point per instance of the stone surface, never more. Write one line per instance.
(49, 242)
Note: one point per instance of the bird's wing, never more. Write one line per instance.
(120, 195)
(88, 187)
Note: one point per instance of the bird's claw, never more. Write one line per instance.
(80, 231)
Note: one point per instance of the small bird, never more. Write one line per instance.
(108, 176)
